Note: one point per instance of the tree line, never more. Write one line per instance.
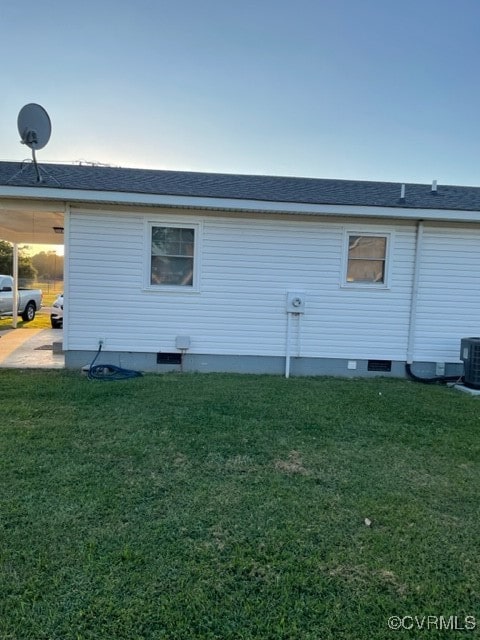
(46, 265)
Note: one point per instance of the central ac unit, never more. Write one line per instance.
(470, 354)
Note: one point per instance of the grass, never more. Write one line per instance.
(223, 506)
(42, 321)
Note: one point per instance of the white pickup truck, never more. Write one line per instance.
(29, 300)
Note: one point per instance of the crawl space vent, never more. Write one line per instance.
(169, 358)
(379, 365)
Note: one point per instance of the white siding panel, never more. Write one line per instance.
(449, 292)
(105, 275)
(247, 266)
(365, 323)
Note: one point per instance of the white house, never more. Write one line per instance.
(213, 272)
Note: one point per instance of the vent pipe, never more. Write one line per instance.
(402, 193)
(434, 186)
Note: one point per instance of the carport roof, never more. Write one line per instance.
(276, 189)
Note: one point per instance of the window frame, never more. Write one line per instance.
(173, 224)
(388, 235)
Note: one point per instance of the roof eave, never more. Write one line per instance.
(79, 196)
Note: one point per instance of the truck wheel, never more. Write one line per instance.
(29, 312)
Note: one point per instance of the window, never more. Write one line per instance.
(366, 261)
(172, 255)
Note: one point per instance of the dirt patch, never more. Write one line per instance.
(361, 574)
(293, 465)
(241, 464)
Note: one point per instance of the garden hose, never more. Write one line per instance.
(110, 371)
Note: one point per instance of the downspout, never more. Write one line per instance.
(15, 286)
(414, 296)
(413, 317)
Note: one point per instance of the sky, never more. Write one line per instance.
(351, 89)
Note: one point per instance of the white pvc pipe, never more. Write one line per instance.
(299, 336)
(15, 286)
(287, 346)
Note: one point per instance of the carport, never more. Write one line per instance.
(29, 221)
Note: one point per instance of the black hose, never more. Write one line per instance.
(110, 371)
(434, 380)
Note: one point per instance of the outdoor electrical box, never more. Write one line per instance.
(182, 342)
(296, 301)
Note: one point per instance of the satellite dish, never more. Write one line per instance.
(34, 126)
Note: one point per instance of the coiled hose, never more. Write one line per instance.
(110, 371)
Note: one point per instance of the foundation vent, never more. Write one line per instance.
(164, 357)
(379, 365)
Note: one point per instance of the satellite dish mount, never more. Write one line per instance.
(34, 127)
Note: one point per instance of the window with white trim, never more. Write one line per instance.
(173, 255)
(366, 260)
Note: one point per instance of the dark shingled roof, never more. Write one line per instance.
(245, 187)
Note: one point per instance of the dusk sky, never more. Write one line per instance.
(357, 89)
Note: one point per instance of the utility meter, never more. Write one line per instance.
(295, 301)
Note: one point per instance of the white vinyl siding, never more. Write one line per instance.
(247, 266)
(448, 307)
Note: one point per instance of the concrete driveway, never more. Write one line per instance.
(31, 349)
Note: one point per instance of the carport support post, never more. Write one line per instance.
(15, 286)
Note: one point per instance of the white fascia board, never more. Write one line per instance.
(234, 204)
(47, 205)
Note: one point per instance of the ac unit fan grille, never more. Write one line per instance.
(470, 354)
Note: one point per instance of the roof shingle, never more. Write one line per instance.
(234, 186)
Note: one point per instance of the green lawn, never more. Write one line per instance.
(223, 506)
(42, 321)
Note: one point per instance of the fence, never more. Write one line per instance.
(47, 286)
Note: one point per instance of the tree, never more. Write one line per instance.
(48, 265)
(26, 270)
